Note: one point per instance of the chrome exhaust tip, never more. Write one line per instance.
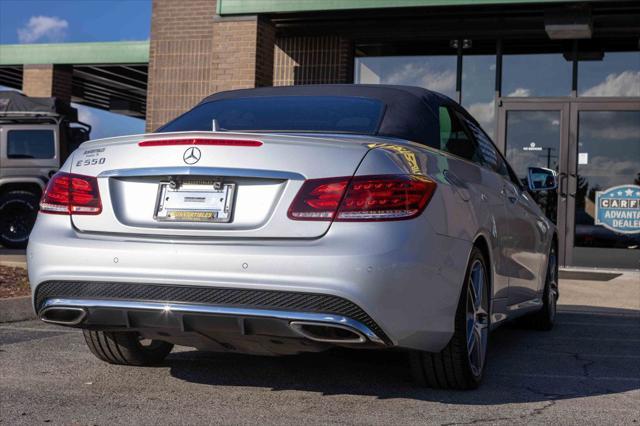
(63, 316)
(328, 333)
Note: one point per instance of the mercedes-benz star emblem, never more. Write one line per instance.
(192, 155)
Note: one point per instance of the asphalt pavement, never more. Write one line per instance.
(585, 371)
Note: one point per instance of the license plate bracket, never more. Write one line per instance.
(195, 200)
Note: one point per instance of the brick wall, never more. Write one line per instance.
(312, 60)
(179, 57)
(242, 53)
(193, 54)
(47, 80)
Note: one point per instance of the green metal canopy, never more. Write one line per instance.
(120, 52)
(233, 7)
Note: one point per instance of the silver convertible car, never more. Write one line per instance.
(283, 220)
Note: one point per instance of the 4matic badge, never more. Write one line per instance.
(192, 155)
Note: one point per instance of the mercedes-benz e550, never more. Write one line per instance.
(294, 219)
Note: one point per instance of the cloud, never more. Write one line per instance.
(627, 83)
(609, 126)
(47, 28)
(440, 81)
(423, 76)
(520, 92)
(484, 112)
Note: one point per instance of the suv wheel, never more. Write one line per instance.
(126, 348)
(461, 363)
(18, 211)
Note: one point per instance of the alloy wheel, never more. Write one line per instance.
(477, 317)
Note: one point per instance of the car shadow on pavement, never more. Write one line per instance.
(589, 352)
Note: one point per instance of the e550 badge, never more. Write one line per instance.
(92, 157)
(91, 162)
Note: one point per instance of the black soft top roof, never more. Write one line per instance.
(16, 103)
(410, 112)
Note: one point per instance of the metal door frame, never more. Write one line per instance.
(569, 108)
(518, 104)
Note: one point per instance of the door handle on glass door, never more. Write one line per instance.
(571, 175)
(561, 183)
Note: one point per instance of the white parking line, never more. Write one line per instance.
(585, 355)
(595, 324)
(45, 330)
(595, 339)
(567, 377)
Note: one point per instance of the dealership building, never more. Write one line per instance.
(555, 83)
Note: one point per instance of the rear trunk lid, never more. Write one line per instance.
(157, 187)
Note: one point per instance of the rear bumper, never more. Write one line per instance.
(107, 304)
(403, 276)
(219, 328)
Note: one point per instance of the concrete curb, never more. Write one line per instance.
(16, 309)
(13, 260)
(13, 264)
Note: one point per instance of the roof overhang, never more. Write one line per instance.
(239, 7)
(106, 75)
(121, 52)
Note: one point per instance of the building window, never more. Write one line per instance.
(437, 73)
(539, 75)
(478, 89)
(617, 74)
(612, 141)
(30, 144)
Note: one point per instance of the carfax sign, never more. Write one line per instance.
(618, 209)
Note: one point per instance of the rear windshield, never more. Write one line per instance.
(325, 114)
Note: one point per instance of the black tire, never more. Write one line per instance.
(18, 212)
(452, 368)
(544, 319)
(125, 348)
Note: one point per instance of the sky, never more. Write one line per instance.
(65, 21)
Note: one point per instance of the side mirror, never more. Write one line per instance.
(541, 179)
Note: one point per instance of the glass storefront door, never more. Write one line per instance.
(605, 185)
(594, 146)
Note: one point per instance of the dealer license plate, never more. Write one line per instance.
(198, 200)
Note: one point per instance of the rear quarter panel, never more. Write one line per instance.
(455, 210)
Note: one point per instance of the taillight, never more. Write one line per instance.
(385, 198)
(362, 198)
(68, 193)
(318, 199)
